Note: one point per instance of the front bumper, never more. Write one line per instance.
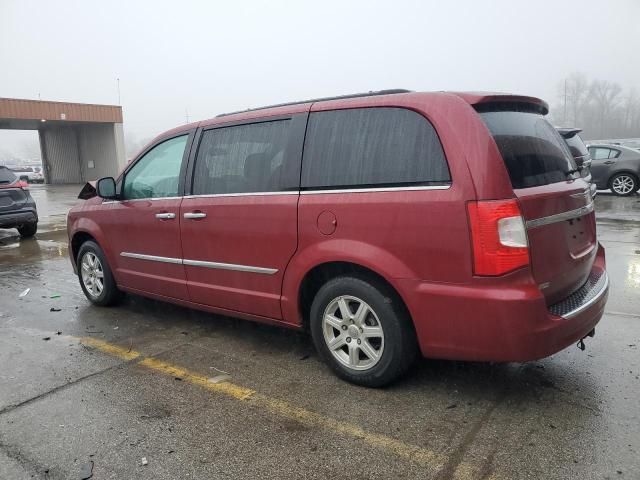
(503, 319)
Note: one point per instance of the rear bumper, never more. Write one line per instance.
(16, 218)
(503, 319)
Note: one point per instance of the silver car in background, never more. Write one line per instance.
(615, 167)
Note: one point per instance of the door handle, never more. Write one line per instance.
(166, 216)
(609, 162)
(195, 215)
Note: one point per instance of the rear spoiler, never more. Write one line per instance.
(491, 102)
(568, 132)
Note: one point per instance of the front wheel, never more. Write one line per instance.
(96, 279)
(624, 184)
(362, 330)
(28, 229)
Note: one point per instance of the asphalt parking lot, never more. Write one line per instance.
(86, 390)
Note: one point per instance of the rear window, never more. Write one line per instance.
(577, 146)
(372, 147)
(533, 151)
(7, 176)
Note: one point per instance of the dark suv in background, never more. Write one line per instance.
(580, 153)
(17, 208)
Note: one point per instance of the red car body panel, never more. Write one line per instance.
(258, 230)
(418, 240)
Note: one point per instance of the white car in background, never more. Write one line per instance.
(29, 174)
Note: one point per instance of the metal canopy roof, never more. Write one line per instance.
(35, 114)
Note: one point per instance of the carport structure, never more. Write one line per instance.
(78, 141)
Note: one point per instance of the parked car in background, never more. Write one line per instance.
(615, 167)
(580, 153)
(17, 207)
(29, 174)
(387, 224)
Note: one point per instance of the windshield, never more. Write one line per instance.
(533, 151)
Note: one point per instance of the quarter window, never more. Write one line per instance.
(157, 173)
(598, 153)
(367, 147)
(242, 159)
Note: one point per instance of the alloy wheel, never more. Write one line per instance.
(92, 274)
(623, 184)
(353, 333)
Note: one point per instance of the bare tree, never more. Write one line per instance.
(606, 98)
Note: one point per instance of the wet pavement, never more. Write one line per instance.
(88, 390)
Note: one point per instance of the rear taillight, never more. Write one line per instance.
(499, 237)
(22, 184)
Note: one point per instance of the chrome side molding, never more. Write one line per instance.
(376, 189)
(152, 258)
(201, 263)
(559, 217)
(229, 266)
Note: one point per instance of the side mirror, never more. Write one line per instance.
(106, 188)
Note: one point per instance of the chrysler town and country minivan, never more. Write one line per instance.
(388, 224)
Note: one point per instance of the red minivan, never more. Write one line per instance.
(387, 224)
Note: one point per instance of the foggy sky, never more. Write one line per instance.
(212, 57)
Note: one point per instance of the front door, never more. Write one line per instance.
(239, 225)
(144, 227)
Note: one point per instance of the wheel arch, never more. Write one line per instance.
(77, 240)
(321, 273)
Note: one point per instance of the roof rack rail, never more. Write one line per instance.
(313, 100)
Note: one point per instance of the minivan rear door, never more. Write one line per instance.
(555, 202)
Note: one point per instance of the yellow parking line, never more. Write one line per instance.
(111, 349)
(419, 455)
(235, 391)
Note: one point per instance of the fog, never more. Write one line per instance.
(179, 60)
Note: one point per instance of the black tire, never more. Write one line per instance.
(110, 293)
(400, 346)
(28, 229)
(633, 187)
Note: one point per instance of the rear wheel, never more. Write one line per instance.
(624, 184)
(96, 279)
(28, 229)
(362, 330)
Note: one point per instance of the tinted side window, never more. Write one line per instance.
(241, 159)
(371, 147)
(533, 151)
(157, 173)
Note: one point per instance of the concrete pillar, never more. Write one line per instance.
(101, 149)
(60, 155)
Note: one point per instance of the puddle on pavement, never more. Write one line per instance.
(46, 245)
